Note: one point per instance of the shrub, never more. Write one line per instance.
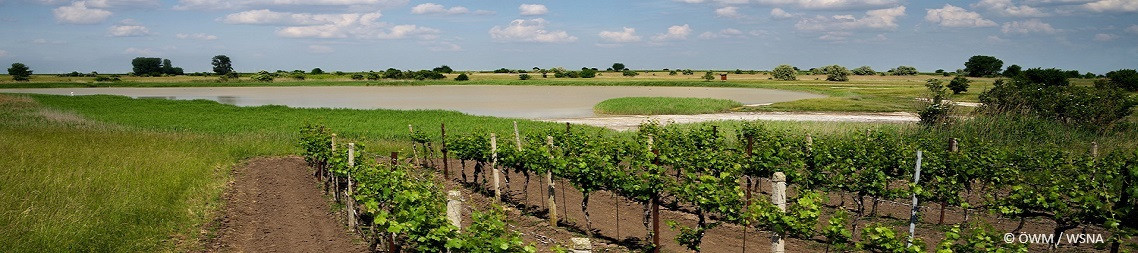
(629, 73)
(297, 76)
(904, 71)
(836, 73)
(958, 84)
(784, 72)
(19, 72)
(357, 77)
(588, 73)
(263, 76)
(524, 77)
(392, 73)
(708, 76)
(1126, 79)
(1045, 77)
(318, 71)
(502, 70)
(672, 73)
(372, 76)
(864, 71)
(688, 72)
(618, 67)
(1094, 107)
(443, 69)
(1013, 71)
(936, 109)
(462, 77)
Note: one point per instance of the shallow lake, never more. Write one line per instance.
(533, 102)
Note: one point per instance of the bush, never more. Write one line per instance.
(357, 77)
(784, 72)
(1013, 71)
(372, 76)
(936, 110)
(1126, 79)
(836, 73)
(502, 70)
(904, 71)
(864, 71)
(297, 76)
(107, 79)
(672, 73)
(443, 69)
(688, 72)
(524, 77)
(263, 76)
(618, 67)
(462, 77)
(1045, 77)
(318, 71)
(958, 84)
(708, 76)
(983, 65)
(629, 73)
(1093, 107)
(588, 73)
(392, 73)
(19, 72)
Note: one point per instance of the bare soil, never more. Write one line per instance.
(274, 205)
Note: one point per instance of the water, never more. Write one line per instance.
(533, 102)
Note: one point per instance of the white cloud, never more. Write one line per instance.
(874, 19)
(140, 51)
(406, 31)
(996, 39)
(728, 12)
(267, 17)
(1112, 6)
(308, 25)
(320, 49)
(830, 4)
(1008, 8)
(196, 36)
(433, 8)
(676, 32)
(532, 9)
(79, 13)
(239, 4)
(3, 53)
(1105, 37)
(725, 33)
(835, 36)
(952, 16)
(1132, 29)
(48, 42)
(1030, 26)
(532, 30)
(623, 36)
(778, 13)
(121, 3)
(128, 31)
(314, 31)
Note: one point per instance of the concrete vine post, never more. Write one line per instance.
(913, 214)
(778, 197)
(332, 176)
(551, 190)
(494, 165)
(454, 208)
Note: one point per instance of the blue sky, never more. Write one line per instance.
(55, 36)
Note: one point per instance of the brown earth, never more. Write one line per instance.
(274, 205)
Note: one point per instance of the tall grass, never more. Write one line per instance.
(664, 105)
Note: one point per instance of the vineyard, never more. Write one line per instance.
(718, 180)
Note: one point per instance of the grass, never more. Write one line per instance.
(664, 105)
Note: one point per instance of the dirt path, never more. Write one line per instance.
(273, 205)
(633, 121)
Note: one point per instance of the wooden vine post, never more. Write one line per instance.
(494, 164)
(350, 201)
(551, 190)
(654, 202)
(778, 197)
(953, 147)
(414, 146)
(391, 236)
(332, 176)
(518, 144)
(913, 214)
(446, 162)
(750, 155)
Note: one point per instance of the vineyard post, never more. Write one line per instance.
(330, 179)
(518, 144)
(350, 201)
(414, 145)
(654, 203)
(454, 208)
(913, 214)
(332, 176)
(446, 163)
(953, 147)
(394, 158)
(494, 164)
(391, 236)
(750, 153)
(1094, 149)
(778, 197)
(549, 181)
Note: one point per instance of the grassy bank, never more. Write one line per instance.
(664, 105)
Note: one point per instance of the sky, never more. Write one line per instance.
(59, 36)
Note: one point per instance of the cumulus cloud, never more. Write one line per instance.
(433, 8)
(1105, 37)
(308, 25)
(409, 31)
(728, 12)
(195, 36)
(532, 30)
(1112, 5)
(778, 13)
(676, 32)
(320, 49)
(267, 17)
(532, 9)
(128, 31)
(80, 13)
(1029, 26)
(239, 4)
(122, 3)
(1132, 29)
(873, 19)
(623, 36)
(721, 34)
(952, 16)
(830, 4)
(1009, 8)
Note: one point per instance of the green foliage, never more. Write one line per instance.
(221, 65)
(145, 66)
(937, 109)
(462, 77)
(837, 235)
(958, 84)
(798, 221)
(978, 239)
(688, 72)
(487, 234)
(358, 77)
(784, 72)
(629, 73)
(19, 72)
(1041, 93)
(664, 105)
(523, 77)
(443, 69)
(983, 65)
(263, 76)
(707, 77)
(1126, 79)
(836, 73)
(1013, 71)
(867, 71)
(618, 67)
(503, 70)
(1043, 77)
(904, 71)
(318, 71)
(879, 238)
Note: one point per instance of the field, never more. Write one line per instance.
(77, 160)
(664, 105)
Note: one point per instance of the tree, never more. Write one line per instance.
(865, 70)
(1126, 79)
(1013, 71)
(708, 76)
(222, 65)
(836, 73)
(937, 109)
(958, 84)
(588, 73)
(145, 66)
(317, 71)
(904, 71)
(523, 77)
(167, 67)
(983, 65)
(19, 72)
(618, 67)
(462, 77)
(784, 72)
(1044, 77)
(443, 69)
